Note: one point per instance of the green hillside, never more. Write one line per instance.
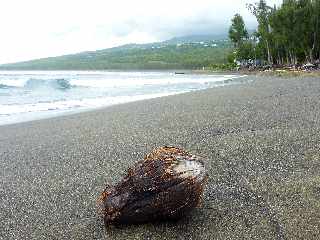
(171, 54)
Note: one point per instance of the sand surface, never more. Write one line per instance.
(261, 141)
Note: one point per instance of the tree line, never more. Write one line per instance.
(288, 34)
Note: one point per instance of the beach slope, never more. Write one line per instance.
(261, 141)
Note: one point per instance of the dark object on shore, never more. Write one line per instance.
(167, 184)
(179, 73)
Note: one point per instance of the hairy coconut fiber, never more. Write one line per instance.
(167, 184)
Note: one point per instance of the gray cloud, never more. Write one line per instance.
(207, 21)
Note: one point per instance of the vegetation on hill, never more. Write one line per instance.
(178, 53)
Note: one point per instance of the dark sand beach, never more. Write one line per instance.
(261, 140)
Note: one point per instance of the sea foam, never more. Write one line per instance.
(27, 95)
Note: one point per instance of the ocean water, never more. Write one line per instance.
(30, 95)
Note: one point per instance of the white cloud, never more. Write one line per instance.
(40, 28)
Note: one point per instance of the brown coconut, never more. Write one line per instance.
(167, 184)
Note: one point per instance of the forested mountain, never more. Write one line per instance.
(191, 52)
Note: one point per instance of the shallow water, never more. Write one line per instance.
(29, 95)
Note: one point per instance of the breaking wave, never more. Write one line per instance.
(58, 84)
(32, 95)
(4, 86)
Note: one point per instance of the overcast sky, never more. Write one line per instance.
(41, 28)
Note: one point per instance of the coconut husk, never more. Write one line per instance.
(167, 184)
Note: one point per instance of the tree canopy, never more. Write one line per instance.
(238, 32)
(287, 34)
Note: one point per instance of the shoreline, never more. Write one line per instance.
(261, 142)
(41, 115)
(49, 114)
